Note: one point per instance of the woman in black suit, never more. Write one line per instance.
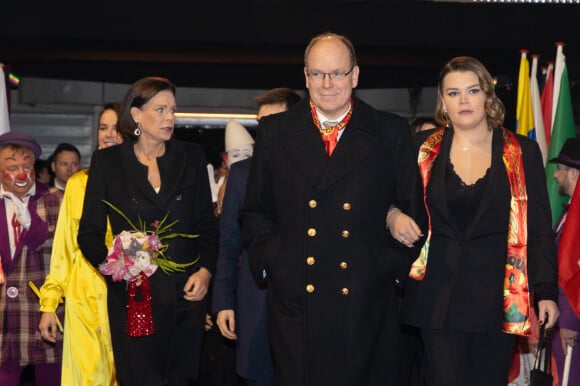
(147, 178)
(488, 241)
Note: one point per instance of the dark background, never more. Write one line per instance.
(259, 44)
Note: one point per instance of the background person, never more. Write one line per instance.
(87, 351)
(422, 124)
(147, 177)
(313, 223)
(41, 171)
(64, 162)
(239, 146)
(478, 210)
(568, 327)
(28, 216)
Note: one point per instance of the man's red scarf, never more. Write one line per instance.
(516, 299)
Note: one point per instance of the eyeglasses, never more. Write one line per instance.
(334, 75)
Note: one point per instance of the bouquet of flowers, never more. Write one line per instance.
(134, 256)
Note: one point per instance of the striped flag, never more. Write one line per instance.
(537, 109)
(4, 119)
(562, 128)
(524, 114)
(547, 100)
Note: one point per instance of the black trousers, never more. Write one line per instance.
(458, 359)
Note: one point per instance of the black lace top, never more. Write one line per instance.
(463, 199)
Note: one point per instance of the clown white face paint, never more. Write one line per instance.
(17, 170)
(240, 153)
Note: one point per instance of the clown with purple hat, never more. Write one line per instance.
(28, 215)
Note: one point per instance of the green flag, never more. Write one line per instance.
(562, 129)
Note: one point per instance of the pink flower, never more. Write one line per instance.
(117, 263)
(131, 254)
(153, 243)
(141, 251)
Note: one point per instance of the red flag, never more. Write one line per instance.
(569, 253)
(547, 98)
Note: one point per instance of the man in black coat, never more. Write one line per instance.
(240, 304)
(314, 226)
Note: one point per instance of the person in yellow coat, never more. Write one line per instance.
(87, 351)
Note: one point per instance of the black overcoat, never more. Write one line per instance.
(315, 231)
(171, 354)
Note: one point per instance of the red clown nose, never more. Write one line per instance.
(21, 176)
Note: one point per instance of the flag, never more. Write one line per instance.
(569, 253)
(562, 129)
(537, 109)
(547, 100)
(4, 119)
(524, 114)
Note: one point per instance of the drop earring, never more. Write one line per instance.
(137, 131)
(447, 120)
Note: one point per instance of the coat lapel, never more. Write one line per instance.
(353, 146)
(172, 169)
(136, 174)
(5, 257)
(306, 149)
(438, 178)
(302, 143)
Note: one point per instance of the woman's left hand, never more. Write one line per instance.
(548, 312)
(197, 285)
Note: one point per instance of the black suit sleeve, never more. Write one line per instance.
(259, 222)
(93, 224)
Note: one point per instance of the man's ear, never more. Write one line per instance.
(575, 174)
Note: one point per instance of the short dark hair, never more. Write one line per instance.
(418, 122)
(140, 92)
(280, 95)
(39, 165)
(64, 146)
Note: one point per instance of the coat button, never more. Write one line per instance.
(311, 232)
(343, 265)
(312, 203)
(346, 206)
(178, 197)
(309, 288)
(344, 291)
(12, 292)
(310, 260)
(345, 234)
